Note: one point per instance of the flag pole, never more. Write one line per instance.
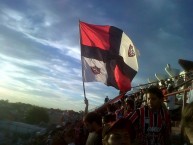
(82, 64)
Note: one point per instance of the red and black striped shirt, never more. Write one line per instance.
(152, 127)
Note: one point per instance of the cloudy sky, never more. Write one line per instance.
(40, 52)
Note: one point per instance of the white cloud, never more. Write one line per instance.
(11, 14)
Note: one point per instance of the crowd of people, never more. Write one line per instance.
(142, 118)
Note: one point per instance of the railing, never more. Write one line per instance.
(184, 91)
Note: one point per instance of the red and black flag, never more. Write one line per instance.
(108, 55)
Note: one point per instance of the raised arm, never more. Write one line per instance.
(86, 107)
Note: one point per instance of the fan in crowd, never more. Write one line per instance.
(93, 122)
(152, 122)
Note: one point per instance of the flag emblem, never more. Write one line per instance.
(96, 70)
(131, 51)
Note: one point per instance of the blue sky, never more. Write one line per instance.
(40, 52)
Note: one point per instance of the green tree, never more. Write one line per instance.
(36, 115)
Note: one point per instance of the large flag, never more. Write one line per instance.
(108, 55)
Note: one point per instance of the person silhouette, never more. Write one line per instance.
(106, 99)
